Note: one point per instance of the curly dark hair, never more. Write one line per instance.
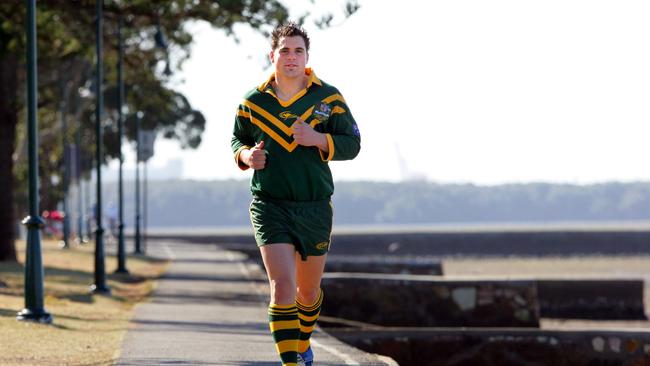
(290, 29)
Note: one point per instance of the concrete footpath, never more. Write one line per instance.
(210, 309)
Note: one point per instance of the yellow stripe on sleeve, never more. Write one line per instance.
(330, 146)
(239, 163)
(338, 110)
(334, 97)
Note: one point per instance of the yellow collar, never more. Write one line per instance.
(308, 71)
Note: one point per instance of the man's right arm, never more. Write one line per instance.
(248, 154)
(242, 140)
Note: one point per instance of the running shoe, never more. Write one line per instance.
(306, 358)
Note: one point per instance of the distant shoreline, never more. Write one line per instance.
(550, 226)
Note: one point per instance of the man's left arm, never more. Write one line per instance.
(342, 134)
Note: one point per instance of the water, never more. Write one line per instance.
(631, 225)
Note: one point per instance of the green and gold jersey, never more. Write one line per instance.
(294, 172)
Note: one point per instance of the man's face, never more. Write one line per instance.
(290, 58)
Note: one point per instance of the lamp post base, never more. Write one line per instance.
(105, 290)
(36, 316)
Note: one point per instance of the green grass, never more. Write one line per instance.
(87, 329)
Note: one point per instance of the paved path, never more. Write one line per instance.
(210, 309)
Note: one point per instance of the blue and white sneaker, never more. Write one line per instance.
(306, 358)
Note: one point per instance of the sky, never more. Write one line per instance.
(468, 91)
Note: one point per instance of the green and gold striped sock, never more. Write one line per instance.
(285, 328)
(308, 315)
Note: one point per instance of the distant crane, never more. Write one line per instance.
(407, 174)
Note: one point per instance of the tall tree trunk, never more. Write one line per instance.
(8, 121)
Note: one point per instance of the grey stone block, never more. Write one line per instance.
(591, 298)
(430, 301)
(455, 347)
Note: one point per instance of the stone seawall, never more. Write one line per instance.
(364, 310)
(497, 347)
(519, 243)
(581, 298)
(428, 301)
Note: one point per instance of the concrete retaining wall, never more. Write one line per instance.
(409, 300)
(591, 298)
(506, 242)
(427, 301)
(487, 347)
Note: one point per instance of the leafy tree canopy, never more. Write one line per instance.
(66, 63)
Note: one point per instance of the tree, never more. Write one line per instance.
(66, 43)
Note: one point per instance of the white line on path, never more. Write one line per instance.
(242, 267)
(389, 361)
(346, 358)
(247, 273)
(168, 251)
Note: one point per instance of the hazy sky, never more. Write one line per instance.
(457, 91)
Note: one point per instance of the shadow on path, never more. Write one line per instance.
(230, 299)
(202, 277)
(203, 327)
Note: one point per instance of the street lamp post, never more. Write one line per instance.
(145, 204)
(160, 42)
(146, 141)
(138, 248)
(81, 238)
(88, 206)
(99, 287)
(121, 255)
(34, 302)
(78, 182)
(66, 168)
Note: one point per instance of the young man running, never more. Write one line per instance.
(287, 130)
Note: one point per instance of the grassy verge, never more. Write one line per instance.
(87, 329)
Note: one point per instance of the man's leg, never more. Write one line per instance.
(283, 314)
(309, 295)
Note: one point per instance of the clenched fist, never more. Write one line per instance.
(304, 135)
(254, 157)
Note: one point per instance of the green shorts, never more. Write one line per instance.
(306, 225)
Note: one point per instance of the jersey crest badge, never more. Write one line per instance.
(322, 111)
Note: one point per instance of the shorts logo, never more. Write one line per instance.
(322, 246)
(287, 115)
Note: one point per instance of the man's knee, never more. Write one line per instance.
(283, 290)
(308, 295)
